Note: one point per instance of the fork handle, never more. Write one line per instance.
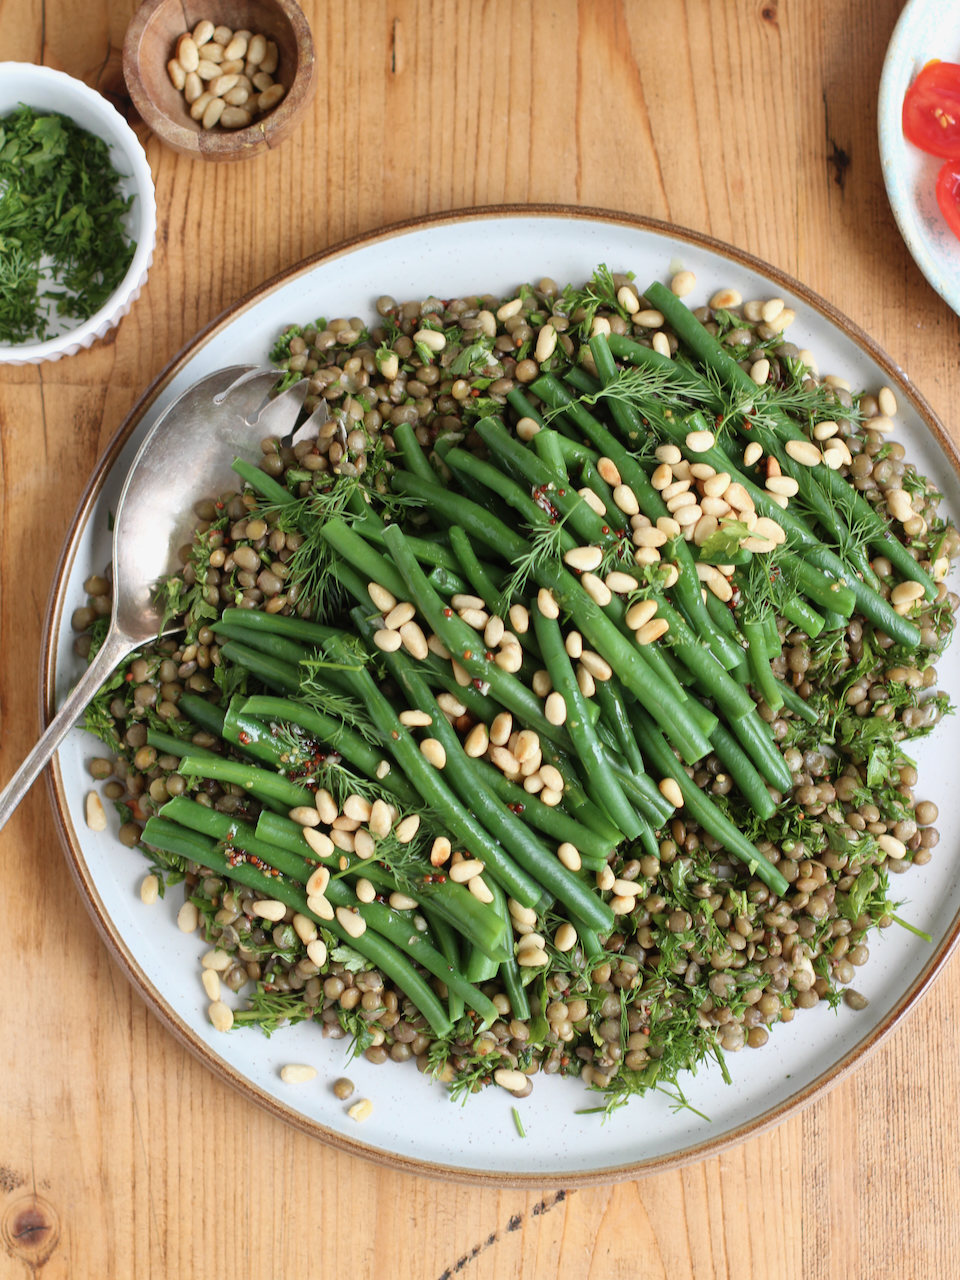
(114, 648)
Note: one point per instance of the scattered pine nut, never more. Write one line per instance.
(670, 790)
(596, 589)
(466, 870)
(501, 728)
(270, 909)
(683, 282)
(351, 922)
(700, 441)
(306, 816)
(402, 902)
(211, 983)
(661, 344)
(804, 452)
(95, 813)
(361, 1110)
(319, 880)
(413, 720)
(555, 708)
(149, 890)
(221, 1015)
(652, 631)
(546, 603)
(752, 453)
(440, 851)
(565, 938)
(188, 917)
(319, 842)
(408, 828)
(480, 890)
(569, 855)
(297, 1073)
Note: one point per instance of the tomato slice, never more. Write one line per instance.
(948, 195)
(931, 110)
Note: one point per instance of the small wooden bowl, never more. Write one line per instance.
(151, 42)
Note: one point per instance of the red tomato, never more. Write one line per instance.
(948, 195)
(931, 110)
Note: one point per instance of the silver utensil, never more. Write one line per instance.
(186, 456)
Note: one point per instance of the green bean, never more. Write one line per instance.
(248, 776)
(793, 702)
(740, 767)
(277, 675)
(764, 680)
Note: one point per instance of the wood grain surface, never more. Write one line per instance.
(753, 120)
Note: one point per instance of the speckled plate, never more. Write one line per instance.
(414, 1126)
(926, 29)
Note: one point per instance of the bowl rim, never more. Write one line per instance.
(112, 310)
(118, 947)
(238, 144)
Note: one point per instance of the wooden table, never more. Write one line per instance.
(752, 120)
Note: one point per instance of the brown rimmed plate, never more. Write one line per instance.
(414, 1126)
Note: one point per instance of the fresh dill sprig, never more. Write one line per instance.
(545, 544)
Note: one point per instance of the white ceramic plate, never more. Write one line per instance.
(413, 1124)
(926, 29)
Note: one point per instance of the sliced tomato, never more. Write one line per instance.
(931, 110)
(948, 195)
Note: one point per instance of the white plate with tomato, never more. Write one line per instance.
(919, 128)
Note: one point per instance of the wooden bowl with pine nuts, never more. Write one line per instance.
(164, 92)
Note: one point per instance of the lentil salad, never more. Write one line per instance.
(686, 908)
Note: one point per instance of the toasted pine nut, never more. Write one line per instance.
(95, 813)
(493, 632)
(221, 1015)
(640, 613)
(569, 855)
(546, 603)
(439, 851)
(881, 424)
(551, 776)
(326, 807)
(668, 453)
(652, 537)
(904, 592)
(785, 485)
(767, 528)
(408, 828)
(621, 583)
(598, 667)
(546, 343)
(605, 879)
(723, 299)
(384, 600)
(652, 631)
(662, 477)
(670, 790)
(609, 472)
(402, 902)
(305, 929)
(621, 906)
(592, 501)
(626, 499)
(550, 796)
(527, 745)
(480, 889)
(738, 498)
(700, 441)
(504, 759)
(476, 741)
(501, 728)
(683, 282)
(413, 720)
(361, 1110)
(585, 681)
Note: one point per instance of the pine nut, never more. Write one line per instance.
(783, 321)
(510, 309)
(350, 922)
(387, 641)
(271, 58)
(661, 344)
(652, 631)
(701, 470)
(600, 325)
(177, 74)
(675, 488)
(493, 632)
(583, 558)
(501, 729)
(668, 454)
(305, 929)
(760, 371)
(510, 659)
(662, 477)
(317, 952)
(573, 643)
(319, 880)
(598, 667)
(297, 1073)
(401, 613)
(450, 705)
(506, 1077)
(361, 1110)
(555, 708)
(364, 845)
(413, 640)
(723, 299)
(216, 959)
(609, 472)
(770, 310)
(687, 498)
(203, 32)
(670, 576)
(235, 117)
(596, 590)
(639, 614)
(550, 796)
(784, 485)
(188, 55)
(628, 299)
(760, 545)
(804, 452)
(670, 790)
(432, 339)
(838, 446)
(480, 889)
(592, 501)
(715, 486)
(767, 528)
(688, 515)
(439, 851)
(621, 906)
(569, 856)
(752, 453)
(705, 527)
(626, 499)
(326, 807)
(188, 917)
(551, 776)
(715, 506)
(650, 537)
(408, 828)
(256, 50)
(402, 902)
(644, 556)
(530, 940)
(532, 958)
(527, 428)
(95, 813)
(881, 424)
(477, 741)
(223, 84)
(887, 403)
(824, 430)
(546, 343)
(211, 983)
(905, 592)
(193, 90)
(738, 498)
(565, 939)
(700, 441)
(237, 97)
(466, 870)
(533, 783)
(527, 745)
(649, 319)
(585, 682)
(364, 890)
(620, 583)
(626, 888)
(891, 846)
(476, 618)
(605, 879)
(221, 1015)
(899, 505)
(526, 915)
(504, 759)
(149, 890)
(546, 603)
(270, 909)
(683, 282)
(412, 720)
(320, 906)
(382, 598)
(212, 113)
